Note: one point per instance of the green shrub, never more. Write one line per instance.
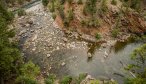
(10, 58)
(98, 36)
(66, 22)
(50, 79)
(28, 73)
(80, 78)
(25, 80)
(136, 4)
(114, 2)
(115, 33)
(8, 16)
(66, 80)
(62, 1)
(70, 14)
(95, 82)
(51, 6)
(45, 2)
(103, 7)
(57, 4)
(21, 12)
(91, 23)
(61, 12)
(70, 1)
(94, 23)
(83, 22)
(90, 7)
(20, 2)
(138, 56)
(54, 16)
(80, 2)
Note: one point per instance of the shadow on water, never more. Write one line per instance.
(119, 46)
(91, 50)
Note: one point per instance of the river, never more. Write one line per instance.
(42, 41)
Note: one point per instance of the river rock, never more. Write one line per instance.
(57, 48)
(48, 55)
(87, 80)
(89, 55)
(34, 37)
(64, 39)
(63, 64)
(88, 38)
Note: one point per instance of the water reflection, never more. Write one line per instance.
(91, 50)
(119, 46)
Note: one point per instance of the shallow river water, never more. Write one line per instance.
(98, 66)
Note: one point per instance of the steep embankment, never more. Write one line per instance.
(110, 20)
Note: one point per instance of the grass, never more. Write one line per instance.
(50, 79)
(45, 2)
(98, 36)
(115, 33)
(80, 2)
(114, 2)
(66, 80)
(21, 12)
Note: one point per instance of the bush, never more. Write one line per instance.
(8, 16)
(96, 82)
(54, 16)
(61, 12)
(21, 12)
(91, 23)
(103, 7)
(62, 1)
(70, 1)
(50, 80)
(80, 2)
(45, 2)
(138, 56)
(66, 22)
(20, 2)
(114, 2)
(25, 80)
(83, 22)
(90, 7)
(115, 33)
(66, 80)
(94, 23)
(70, 14)
(80, 78)
(98, 36)
(51, 6)
(28, 74)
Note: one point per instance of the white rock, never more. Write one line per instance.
(33, 49)
(63, 64)
(34, 37)
(48, 55)
(89, 55)
(57, 47)
(106, 54)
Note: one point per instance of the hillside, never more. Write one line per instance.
(107, 18)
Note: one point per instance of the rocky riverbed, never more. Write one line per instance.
(39, 35)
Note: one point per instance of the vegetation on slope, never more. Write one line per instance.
(11, 61)
(99, 16)
(138, 68)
